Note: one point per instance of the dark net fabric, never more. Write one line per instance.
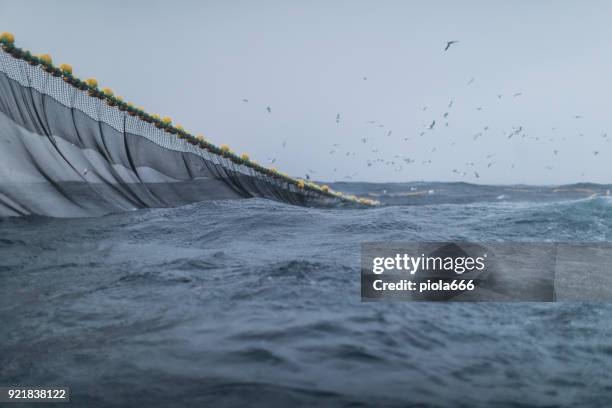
(64, 153)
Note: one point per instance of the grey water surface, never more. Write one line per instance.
(253, 302)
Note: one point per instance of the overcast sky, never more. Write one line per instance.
(195, 61)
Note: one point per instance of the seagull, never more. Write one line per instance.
(284, 143)
(433, 123)
(450, 103)
(578, 117)
(517, 94)
(449, 43)
(365, 78)
(476, 174)
(471, 81)
(269, 109)
(245, 100)
(338, 118)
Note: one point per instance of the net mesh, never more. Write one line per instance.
(66, 153)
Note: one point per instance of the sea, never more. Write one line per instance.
(257, 303)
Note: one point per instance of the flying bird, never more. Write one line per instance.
(449, 43)
(245, 100)
(517, 94)
(433, 123)
(338, 118)
(269, 109)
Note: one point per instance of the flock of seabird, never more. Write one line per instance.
(399, 161)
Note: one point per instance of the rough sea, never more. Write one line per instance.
(257, 303)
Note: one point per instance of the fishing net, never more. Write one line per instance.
(67, 152)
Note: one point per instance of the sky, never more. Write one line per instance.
(529, 81)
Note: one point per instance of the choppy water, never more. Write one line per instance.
(255, 302)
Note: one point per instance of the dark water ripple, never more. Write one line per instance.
(254, 302)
